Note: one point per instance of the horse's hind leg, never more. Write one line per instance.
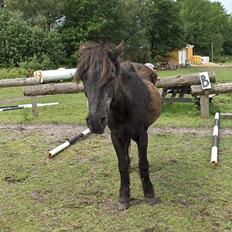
(121, 148)
(148, 189)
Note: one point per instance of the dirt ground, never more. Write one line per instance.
(59, 132)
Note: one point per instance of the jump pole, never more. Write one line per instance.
(17, 107)
(69, 142)
(214, 149)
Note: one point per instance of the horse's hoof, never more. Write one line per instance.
(123, 206)
(152, 201)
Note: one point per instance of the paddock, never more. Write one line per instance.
(77, 189)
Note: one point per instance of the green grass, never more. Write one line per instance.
(71, 109)
(78, 190)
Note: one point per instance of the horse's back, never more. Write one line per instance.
(142, 71)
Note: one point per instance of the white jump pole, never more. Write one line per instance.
(17, 107)
(214, 149)
(54, 75)
(69, 142)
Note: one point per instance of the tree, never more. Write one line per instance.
(1, 4)
(21, 42)
(205, 23)
(41, 13)
(96, 20)
(164, 30)
(227, 46)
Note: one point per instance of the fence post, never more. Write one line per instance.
(204, 102)
(35, 111)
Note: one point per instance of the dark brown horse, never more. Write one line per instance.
(120, 98)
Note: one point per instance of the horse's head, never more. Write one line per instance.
(98, 70)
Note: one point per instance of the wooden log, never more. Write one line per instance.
(216, 89)
(226, 115)
(47, 89)
(51, 89)
(18, 82)
(184, 80)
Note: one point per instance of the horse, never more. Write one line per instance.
(126, 102)
(142, 70)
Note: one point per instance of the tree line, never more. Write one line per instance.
(47, 33)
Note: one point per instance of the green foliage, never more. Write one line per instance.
(31, 34)
(41, 13)
(205, 24)
(8, 73)
(134, 14)
(21, 42)
(95, 20)
(36, 63)
(165, 31)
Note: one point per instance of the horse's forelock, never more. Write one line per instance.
(92, 55)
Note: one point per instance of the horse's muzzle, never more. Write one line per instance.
(96, 125)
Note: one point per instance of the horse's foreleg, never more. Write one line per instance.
(121, 148)
(148, 189)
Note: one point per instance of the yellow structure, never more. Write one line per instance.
(189, 52)
(183, 56)
(196, 60)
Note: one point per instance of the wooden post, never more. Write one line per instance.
(204, 102)
(35, 111)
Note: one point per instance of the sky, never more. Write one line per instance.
(226, 3)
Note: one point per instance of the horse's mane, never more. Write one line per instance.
(95, 55)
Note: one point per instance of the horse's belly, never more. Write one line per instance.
(155, 103)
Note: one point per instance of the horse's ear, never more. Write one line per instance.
(116, 51)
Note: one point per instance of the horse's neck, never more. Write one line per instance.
(124, 87)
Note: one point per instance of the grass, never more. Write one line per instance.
(78, 190)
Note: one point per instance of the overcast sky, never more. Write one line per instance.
(226, 3)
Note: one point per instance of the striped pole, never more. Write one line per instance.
(69, 142)
(214, 149)
(17, 107)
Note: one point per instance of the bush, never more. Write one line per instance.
(24, 45)
(6, 73)
(37, 63)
